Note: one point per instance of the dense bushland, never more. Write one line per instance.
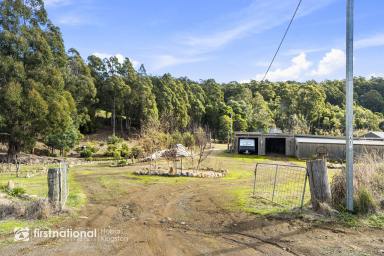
(52, 95)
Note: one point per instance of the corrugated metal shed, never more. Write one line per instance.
(338, 141)
(374, 134)
(334, 149)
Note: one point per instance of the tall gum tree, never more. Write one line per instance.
(33, 101)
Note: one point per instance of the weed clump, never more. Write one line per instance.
(368, 182)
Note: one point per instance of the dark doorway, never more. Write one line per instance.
(275, 146)
(248, 146)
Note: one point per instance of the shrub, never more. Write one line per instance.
(368, 184)
(86, 153)
(16, 191)
(364, 202)
(188, 139)
(176, 138)
(122, 162)
(117, 154)
(110, 150)
(114, 140)
(92, 147)
(124, 150)
(137, 152)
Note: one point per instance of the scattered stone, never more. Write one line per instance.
(83, 217)
(203, 173)
(182, 223)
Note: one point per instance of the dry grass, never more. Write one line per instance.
(39, 209)
(368, 185)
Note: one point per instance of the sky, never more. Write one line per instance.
(227, 40)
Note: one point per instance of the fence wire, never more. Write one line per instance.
(284, 185)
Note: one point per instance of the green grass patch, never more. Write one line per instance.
(375, 220)
(7, 226)
(242, 200)
(238, 175)
(36, 185)
(76, 197)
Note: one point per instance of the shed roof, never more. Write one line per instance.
(337, 141)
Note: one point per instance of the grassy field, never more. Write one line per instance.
(37, 185)
(236, 187)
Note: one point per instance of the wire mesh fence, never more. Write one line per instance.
(284, 185)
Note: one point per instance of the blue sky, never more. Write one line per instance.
(228, 40)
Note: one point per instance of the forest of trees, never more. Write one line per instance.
(52, 95)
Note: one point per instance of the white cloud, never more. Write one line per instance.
(120, 57)
(299, 65)
(295, 51)
(195, 46)
(372, 41)
(166, 60)
(251, 20)
(333, 61)
(73, 20)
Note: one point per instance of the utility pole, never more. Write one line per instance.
(349, 105)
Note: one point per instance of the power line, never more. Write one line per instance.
(282, 39)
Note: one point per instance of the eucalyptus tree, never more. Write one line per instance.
(33, 99)
(81, 84)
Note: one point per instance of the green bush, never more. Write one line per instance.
(176, 138)
(188, 139)
(124, 150)
(92, 146)
(16, 191)
(122, 162)
(111, 149)
(137, 152)
(114, 140)
(364, 202)
(86, 153)
(117, 155)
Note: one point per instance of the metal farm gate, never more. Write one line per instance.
(284, 185)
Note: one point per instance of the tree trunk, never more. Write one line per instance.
(114, 117)
(121, 126)
(13, 149)
(318, 182)
(17, 164)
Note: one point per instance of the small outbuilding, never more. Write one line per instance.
(334, 148)
(305, 146)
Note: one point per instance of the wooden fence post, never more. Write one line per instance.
(318, 182)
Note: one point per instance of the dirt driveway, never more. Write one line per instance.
(188, 218)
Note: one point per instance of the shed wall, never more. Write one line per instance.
(334, 151)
